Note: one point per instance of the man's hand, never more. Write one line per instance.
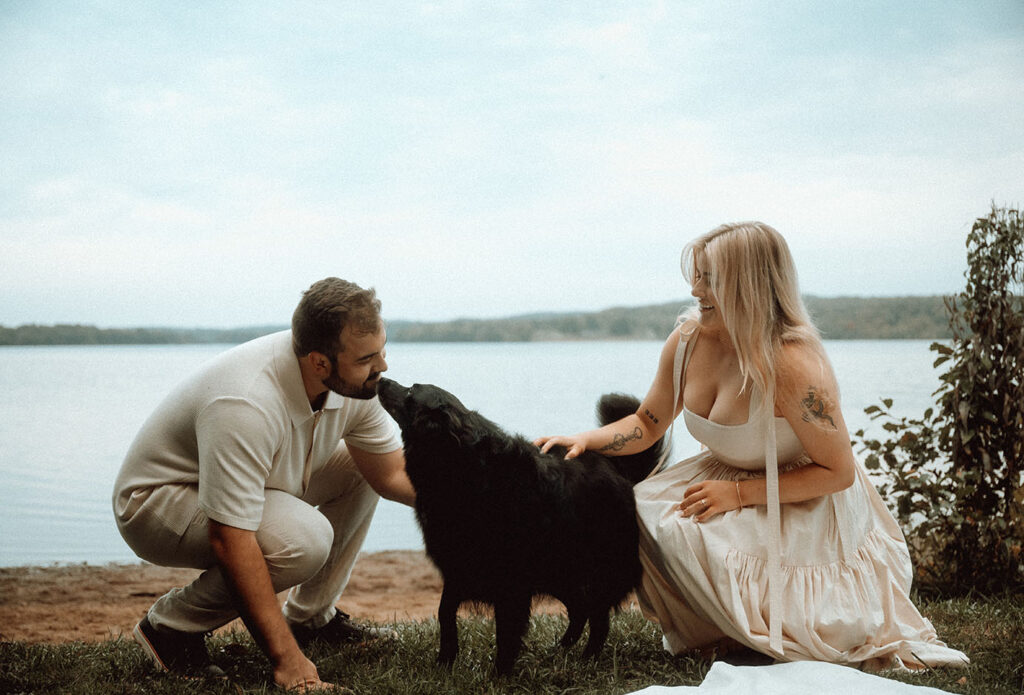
(245, 570)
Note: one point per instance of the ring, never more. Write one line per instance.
(705, 501)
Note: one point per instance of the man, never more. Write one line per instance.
(264, 470)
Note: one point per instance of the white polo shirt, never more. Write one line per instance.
(240, 425)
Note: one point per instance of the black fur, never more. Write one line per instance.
(504, 522)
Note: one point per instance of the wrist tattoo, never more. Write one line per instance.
(651, 415)
(619, 441)
(817, 409)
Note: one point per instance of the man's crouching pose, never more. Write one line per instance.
(264, 470)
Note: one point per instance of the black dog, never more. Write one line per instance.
(504, 522)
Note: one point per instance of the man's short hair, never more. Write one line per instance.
(325, 309)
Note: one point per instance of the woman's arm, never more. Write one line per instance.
(807, 396)
(635, 432)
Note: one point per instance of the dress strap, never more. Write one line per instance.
(845, 520)
(683, 350)
(771, 468)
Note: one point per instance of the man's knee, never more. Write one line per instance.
(295, 538)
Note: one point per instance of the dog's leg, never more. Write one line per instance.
(577, 620)
(446, 612)
(511, 618)
(599, 624)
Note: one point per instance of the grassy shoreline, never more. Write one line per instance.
(989, 630)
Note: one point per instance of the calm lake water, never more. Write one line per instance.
(68, 414)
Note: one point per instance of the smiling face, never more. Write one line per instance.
(710, 312)
(357, 368)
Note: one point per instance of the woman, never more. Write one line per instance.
(772, 538)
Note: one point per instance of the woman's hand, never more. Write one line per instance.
(709, 498)
(574, 444)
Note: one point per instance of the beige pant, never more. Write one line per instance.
(310, 545)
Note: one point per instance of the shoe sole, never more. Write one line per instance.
(150, 650)
(147, 646)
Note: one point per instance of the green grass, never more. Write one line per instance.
(990, 630)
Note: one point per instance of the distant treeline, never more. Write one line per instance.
(78, 334)
(836, 317)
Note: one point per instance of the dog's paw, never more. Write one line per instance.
(503, 669)
(445, 659)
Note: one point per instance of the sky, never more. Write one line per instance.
(201, 164)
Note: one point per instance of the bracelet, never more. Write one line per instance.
(739, 498)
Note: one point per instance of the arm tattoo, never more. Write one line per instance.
(649, 414)
(817, 408)
(619, 441)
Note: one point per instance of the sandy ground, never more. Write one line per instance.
(91, 603)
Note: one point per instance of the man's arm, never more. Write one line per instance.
(245, 570)
(385, 473)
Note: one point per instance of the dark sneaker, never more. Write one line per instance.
(340, 630)
(181, 653)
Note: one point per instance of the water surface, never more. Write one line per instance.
(68, 414)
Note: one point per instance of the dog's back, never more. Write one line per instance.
(504, 522)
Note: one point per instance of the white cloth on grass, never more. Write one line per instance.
(793, 678)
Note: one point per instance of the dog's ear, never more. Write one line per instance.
(444, 422)
(438, 422)
(439, 399)
(464, 429)
(427, 420)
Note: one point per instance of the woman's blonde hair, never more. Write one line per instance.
(754, 282)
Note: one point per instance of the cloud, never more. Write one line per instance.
(480, 160)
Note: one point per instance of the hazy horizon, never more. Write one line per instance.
(284, 323)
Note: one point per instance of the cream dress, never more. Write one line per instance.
(832, 574)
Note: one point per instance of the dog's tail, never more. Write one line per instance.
(634, 467)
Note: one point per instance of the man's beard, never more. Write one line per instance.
(364, 391)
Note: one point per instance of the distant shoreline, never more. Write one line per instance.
(838, 318)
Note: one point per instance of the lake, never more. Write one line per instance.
(68, 414)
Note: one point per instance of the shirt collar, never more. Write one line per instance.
(289, 376)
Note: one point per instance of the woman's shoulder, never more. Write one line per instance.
(685, 329)
(800, 362)
(676, 342)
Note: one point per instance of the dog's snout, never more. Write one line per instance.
(391, 393)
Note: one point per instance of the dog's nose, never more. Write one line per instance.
(386, 384)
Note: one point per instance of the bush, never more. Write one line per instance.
(955, 476)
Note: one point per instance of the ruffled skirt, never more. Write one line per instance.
(846, 575)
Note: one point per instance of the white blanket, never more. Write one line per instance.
(794, 678)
